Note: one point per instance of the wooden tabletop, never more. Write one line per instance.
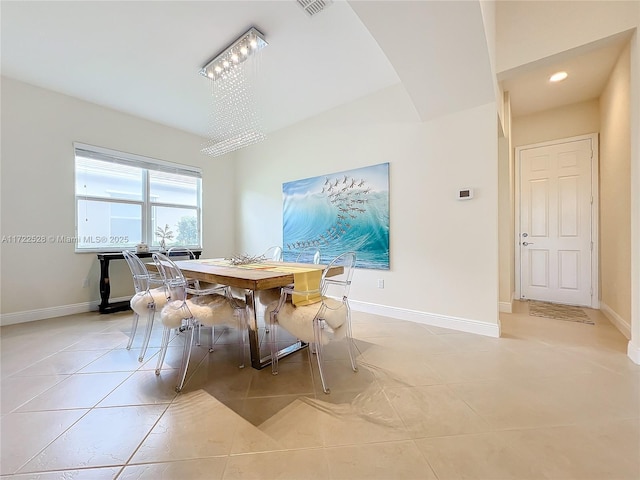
(211, 271)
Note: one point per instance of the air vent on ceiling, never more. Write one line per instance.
(313, 7)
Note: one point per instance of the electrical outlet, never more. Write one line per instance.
(85, 283)
(380, 283)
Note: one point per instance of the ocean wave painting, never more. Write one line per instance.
(339, 212)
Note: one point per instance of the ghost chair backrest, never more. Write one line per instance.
(181, 252)
(308, 255)
(273, 253)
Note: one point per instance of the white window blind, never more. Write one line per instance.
(122, 199)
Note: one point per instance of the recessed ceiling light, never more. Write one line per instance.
(558, 76)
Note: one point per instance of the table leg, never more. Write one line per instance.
(254, 334)
(105, 288)
(105, 291)
(260, 358)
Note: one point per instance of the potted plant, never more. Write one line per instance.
(164, 234)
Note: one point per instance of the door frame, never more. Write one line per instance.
(595, 211)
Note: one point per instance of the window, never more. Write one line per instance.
(122, 199)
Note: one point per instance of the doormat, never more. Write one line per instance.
(558, 312)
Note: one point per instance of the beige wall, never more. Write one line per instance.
(38, 131)
(634, 343)
(569, 121)
(443, 251)
(564, 122)
(615, 192)
(488, 9)
(506, 212)
(533, 30)
(610, 116)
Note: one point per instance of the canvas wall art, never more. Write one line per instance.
(339, 212)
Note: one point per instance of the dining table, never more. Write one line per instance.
(260, 282)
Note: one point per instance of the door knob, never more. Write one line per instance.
(527, 243)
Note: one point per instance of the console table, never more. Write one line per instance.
(105, 287)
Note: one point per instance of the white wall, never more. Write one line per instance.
(38, 131)
(443, 251)
(444, 264)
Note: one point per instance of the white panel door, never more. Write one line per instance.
(555, 223)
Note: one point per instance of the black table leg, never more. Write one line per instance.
(105, 288)
(105, 291)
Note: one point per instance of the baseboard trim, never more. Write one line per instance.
(52, 312)
(617, 320)
(436, 320)
(505, 307)
(633, 352)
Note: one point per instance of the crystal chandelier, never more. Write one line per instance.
(235, 120)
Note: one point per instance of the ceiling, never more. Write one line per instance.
(143, 57)
(588, 67)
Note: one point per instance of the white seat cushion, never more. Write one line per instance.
(140, 301)
(299, 320)
(207, 309)
(265, 297)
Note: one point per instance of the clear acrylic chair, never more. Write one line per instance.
(309, 255)
(146, 299)
(188, 309)
(328, 319)
(181, 252)
(273, 253)
(184, 253)
(264, 297)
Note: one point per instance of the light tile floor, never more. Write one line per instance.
(550, 399)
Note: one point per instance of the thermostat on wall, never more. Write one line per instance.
(465, 194)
